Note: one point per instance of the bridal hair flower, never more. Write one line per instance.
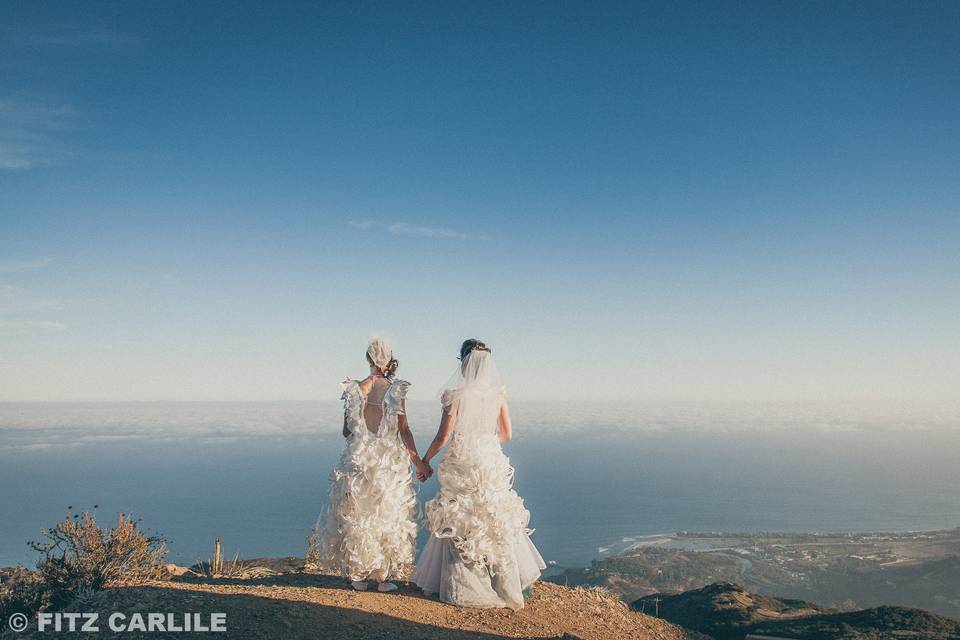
(380, 351)
(472, 344)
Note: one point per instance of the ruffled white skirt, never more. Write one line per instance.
(479, 553)
(369, 529)
(441, 571)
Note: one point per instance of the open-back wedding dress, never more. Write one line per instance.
(479, 553)
(368, 529)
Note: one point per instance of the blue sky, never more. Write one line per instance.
(697, 201)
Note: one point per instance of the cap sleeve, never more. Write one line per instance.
(351, 389)
(448, 397)
(352, 401)
(396, 394)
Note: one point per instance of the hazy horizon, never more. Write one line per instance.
(255, 475)
(64, 424)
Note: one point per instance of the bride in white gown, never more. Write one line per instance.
(368, 531)
(479, 553)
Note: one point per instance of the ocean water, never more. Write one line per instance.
(596, 477)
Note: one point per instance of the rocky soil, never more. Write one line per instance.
(302, 605)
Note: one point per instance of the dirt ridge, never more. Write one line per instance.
(301, 605)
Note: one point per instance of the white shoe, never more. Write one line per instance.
(359, 586)
(385, 587)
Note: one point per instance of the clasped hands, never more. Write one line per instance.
(424, 470)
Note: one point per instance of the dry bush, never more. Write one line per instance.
(599, 595)
(21, 591)
(236, 568)
(312, 561)
(79, 556)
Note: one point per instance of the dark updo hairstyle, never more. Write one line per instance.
(472, 344)
(391, 369)
(388, 371)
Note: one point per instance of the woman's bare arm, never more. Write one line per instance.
(443, 435)
(406, 436)
(506, 427)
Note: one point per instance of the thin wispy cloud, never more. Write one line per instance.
(405, 229)
(363, 226)
(27, 327)
(67, 36)
(18, 300)
(10, 291)
(32, 131)
(20, 306)
(16, 266)
(402, 228)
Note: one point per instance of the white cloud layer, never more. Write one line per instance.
(63, 424)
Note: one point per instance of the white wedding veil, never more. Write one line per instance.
(474, 394)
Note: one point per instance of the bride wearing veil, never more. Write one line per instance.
(479, 553)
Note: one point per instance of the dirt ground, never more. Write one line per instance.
(300, 605)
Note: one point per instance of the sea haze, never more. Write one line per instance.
(595, 476)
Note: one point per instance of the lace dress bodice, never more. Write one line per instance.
(391, 407)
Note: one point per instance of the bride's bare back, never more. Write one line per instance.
(374, 389)
(373, 394)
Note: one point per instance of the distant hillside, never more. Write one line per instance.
(727, 611)
(846, 572)
(724, 610)
(879, 623)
